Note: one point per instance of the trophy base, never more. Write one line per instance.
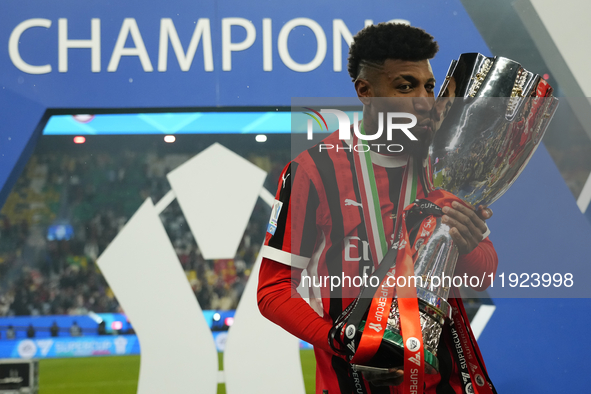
(433, 311)
(391, 353)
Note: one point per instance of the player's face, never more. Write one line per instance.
(402, 78)
(410, 85)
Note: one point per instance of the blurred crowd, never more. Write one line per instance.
(95, 194)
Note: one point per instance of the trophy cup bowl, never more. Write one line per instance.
(496, 113)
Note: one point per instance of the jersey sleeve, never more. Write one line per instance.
(280, 302)
(291, 232)
(481, 262)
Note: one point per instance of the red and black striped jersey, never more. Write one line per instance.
(317, 220)
(317, 225)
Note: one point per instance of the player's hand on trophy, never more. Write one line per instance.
(467, 226)
(393, 377)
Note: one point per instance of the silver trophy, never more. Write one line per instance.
(495, 114)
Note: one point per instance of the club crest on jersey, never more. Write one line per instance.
(277, 205)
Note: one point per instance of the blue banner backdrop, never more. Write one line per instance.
(70, 347)
(89, 346)
(41, 68)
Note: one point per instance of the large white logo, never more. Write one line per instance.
(203, 197)
(375, 326)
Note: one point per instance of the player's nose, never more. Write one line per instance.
(424, 103)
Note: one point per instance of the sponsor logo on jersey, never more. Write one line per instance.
(354, 251)
(349, 202)
(284, 178)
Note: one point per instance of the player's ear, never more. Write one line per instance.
(364, 90)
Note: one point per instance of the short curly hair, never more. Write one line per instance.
(376, 43)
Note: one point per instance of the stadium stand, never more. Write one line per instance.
(68, 206)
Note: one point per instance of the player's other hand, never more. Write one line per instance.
(466, 225)
(393, 377)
